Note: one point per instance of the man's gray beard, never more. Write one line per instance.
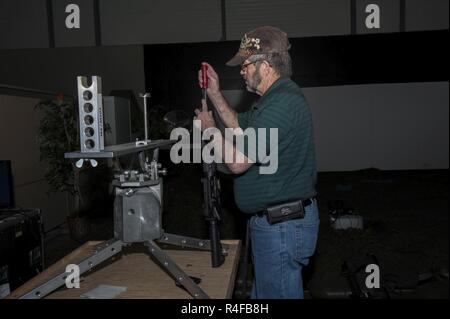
(256, 80)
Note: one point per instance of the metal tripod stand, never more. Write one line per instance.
(137, 219)
(138, 197)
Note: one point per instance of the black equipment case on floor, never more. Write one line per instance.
(21, 247)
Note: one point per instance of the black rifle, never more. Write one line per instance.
(212, 210)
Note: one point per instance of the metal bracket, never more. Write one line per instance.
(99, 255)
(90, 106)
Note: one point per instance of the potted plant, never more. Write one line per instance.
(57, 134)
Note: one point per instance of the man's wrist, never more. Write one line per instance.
(215, 95)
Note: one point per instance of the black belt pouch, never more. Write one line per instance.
(286, 211)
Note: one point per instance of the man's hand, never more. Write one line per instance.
(205, 117)
(213, 80)
(226, 113)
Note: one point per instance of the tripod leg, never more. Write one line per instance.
(102, 253)
(188, 242)
(179, 275)
(184, 241)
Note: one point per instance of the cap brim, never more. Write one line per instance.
(236, 60)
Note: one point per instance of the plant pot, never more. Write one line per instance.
(79, 227)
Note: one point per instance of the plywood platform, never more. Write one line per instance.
(142, 276)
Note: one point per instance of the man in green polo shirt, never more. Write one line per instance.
(277, 175)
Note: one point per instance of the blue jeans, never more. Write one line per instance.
(280, 251)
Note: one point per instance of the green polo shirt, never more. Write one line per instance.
(284, 107)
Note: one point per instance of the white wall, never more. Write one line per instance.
(56, 70)
(385, 126)
(18, 128)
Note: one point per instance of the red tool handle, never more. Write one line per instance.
(204, 76)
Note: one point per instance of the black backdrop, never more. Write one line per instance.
(171, 69)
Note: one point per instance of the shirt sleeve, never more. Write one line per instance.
(243, 120)
(264, 131)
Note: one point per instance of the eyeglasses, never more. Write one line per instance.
(245, 65)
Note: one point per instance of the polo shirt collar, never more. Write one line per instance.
(277, 83)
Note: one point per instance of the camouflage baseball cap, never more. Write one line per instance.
(266, 39)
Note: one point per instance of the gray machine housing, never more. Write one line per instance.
(117, 120)
(137, 213)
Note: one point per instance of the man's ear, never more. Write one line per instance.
(269, 68)
(266, 67)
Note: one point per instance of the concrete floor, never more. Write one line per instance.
(406, 228)
(406, 223)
